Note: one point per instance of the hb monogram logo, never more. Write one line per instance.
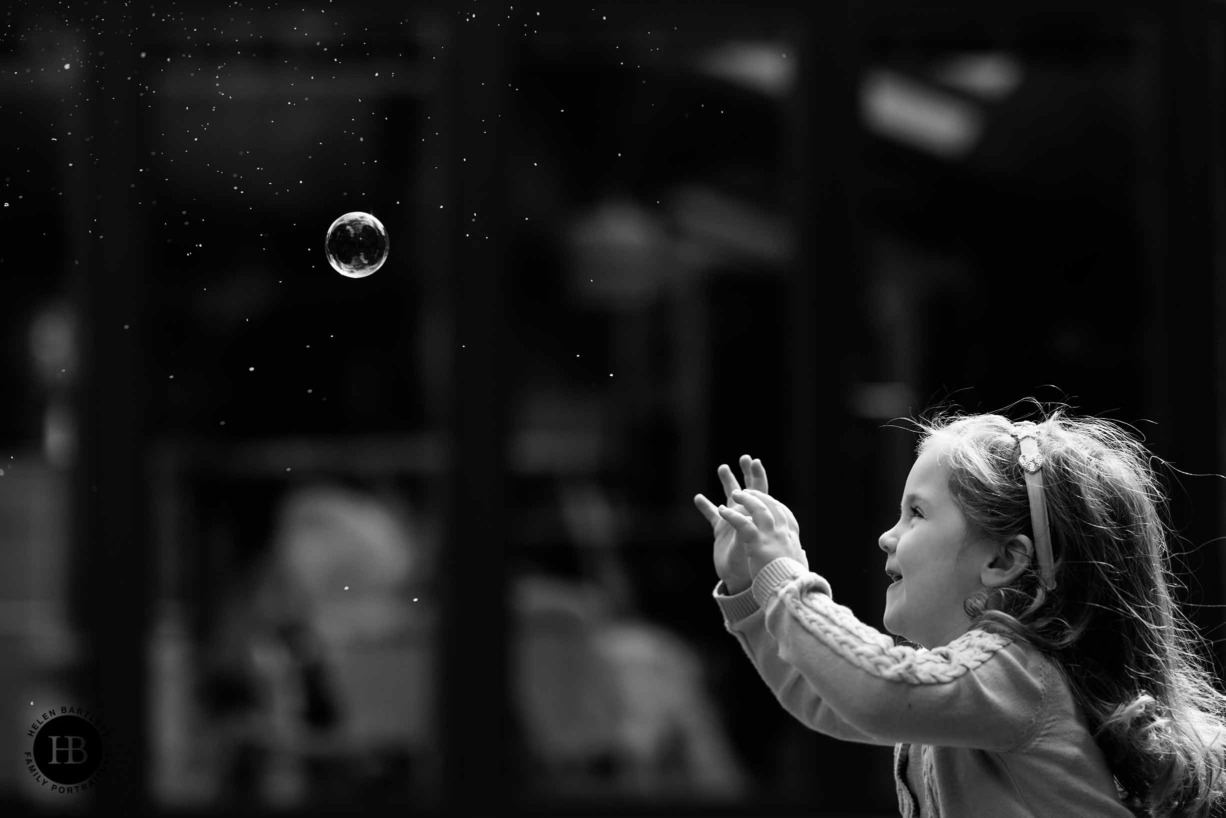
(67, 752)
(75, 750)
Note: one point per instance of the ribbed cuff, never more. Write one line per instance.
(735, 607)
(776, 573)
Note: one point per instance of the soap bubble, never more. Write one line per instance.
(356, 244)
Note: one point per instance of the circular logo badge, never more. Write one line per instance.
(67, 751)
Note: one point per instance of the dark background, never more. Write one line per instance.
(629, 242)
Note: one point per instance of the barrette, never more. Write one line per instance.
(1031, 460)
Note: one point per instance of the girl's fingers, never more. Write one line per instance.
(778, 509)
(707, 508)
(766, 500)
(758, 510)
(744, 526)
(759, 473)
(728, 480)
(751, 472)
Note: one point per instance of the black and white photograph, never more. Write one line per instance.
(648, 409)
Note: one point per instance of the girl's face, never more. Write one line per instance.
(928, 552)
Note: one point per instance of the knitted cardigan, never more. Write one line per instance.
(983, 726)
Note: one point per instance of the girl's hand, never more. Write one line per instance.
(766, 529)
(731, 564)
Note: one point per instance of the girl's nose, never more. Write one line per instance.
(887, 541)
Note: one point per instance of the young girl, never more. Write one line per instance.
(1052, 674)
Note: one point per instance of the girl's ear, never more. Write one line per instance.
(1010, 561)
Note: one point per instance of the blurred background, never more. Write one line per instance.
(424, 540)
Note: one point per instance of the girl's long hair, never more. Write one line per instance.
(1132, 660)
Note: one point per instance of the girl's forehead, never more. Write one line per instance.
(930, 468)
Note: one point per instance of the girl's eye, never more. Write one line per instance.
(915, 512)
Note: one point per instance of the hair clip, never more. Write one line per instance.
(1028, 435)
(1031, 460)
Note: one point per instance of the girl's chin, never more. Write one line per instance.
(888, 619)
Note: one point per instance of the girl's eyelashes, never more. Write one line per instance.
(916, 512)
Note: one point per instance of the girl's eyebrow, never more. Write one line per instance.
(913, 497)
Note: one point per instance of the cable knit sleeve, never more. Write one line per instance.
(981, 690)
(745, 620)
